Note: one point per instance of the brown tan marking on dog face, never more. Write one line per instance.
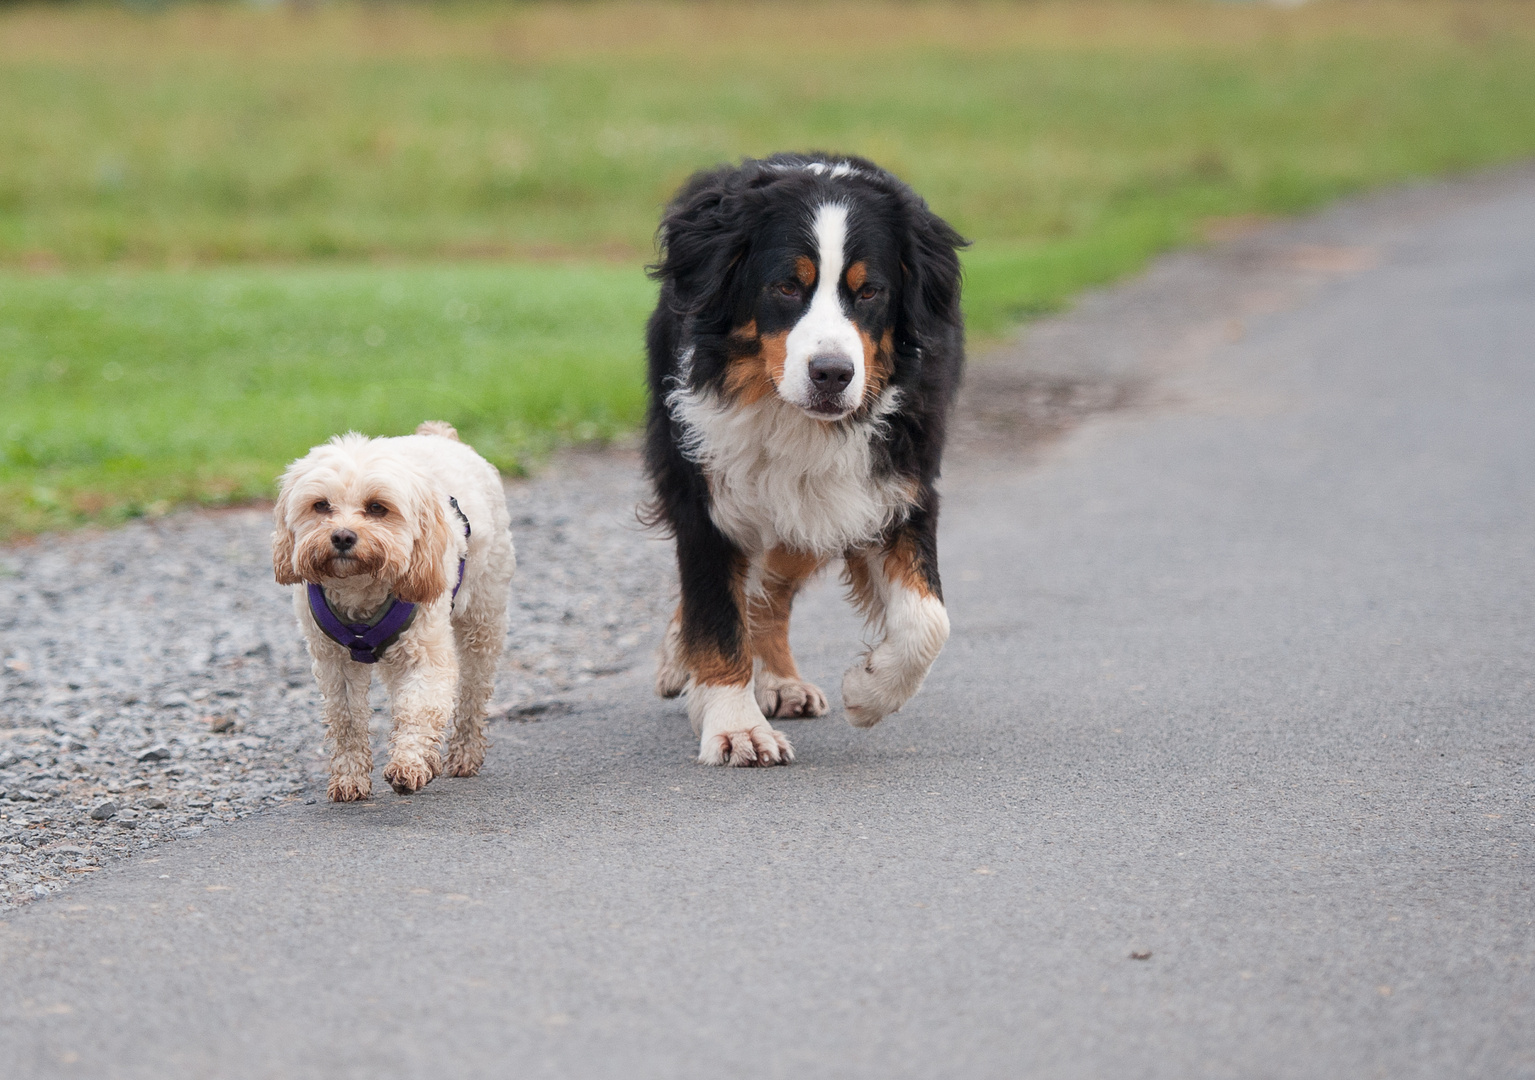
(878, 363)
(756, 366)
(804, 270)
(857, 274)
(775, 352)
(746, 377)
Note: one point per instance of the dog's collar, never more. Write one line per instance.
(367, 640)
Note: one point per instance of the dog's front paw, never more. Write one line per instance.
(408, 775)
(869, 693)
(761, 746)
(787, 698)
(732, 730)
(344, 788)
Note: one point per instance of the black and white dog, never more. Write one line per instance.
(804, 356)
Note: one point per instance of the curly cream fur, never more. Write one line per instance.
(442, 669)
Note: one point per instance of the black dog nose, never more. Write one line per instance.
(831, 374)
(343, 540)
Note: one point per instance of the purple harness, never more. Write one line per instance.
(367, 641)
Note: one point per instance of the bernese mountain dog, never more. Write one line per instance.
(804, 357)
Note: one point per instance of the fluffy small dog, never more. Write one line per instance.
(402, 549)
(803, 361)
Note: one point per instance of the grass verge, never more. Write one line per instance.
(128, 392)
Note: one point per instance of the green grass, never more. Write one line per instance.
(122, 393)
(238, 193)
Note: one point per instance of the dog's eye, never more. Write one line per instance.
(789, 288)
(322, 507)
(868, 292)
(377, 509)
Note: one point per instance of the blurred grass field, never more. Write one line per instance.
(226, 233)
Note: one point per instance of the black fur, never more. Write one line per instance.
(727, 237)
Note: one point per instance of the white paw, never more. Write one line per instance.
(759, 746)
(409, 773)
(464, 760)
(885, 679)
(348, 788)
(466, 749)
(877, 686)
(732, 729)
(785, 698)
(867, 696)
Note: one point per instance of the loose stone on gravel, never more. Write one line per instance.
(159, 668)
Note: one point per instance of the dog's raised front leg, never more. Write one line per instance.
(779, 689)
(897, 587)
(421, 672)
(714, 645)
(344, 690)
(480, 641)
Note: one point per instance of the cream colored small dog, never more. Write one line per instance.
(402, 549)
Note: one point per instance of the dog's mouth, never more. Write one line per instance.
(344, 564)
(827, 410)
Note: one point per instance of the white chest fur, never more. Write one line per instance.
(780, 477)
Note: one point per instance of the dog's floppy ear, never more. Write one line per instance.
(703, 238)
(426, 578)
(931, 273)
(283, 540)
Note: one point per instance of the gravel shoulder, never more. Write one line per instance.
(153, 684)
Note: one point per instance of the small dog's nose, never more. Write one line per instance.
(830, 374)
(343, 540)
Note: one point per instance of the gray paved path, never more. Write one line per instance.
(1242, 677)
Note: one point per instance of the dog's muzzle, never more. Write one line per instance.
(830, 375)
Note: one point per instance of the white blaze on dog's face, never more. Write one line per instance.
(818, 330)
(824, 370)
(352, 509)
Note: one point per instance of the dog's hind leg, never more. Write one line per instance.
(779, 689)
(344, 688)
(421, 673)
(480, 642)
(896, 586)
(671, 667)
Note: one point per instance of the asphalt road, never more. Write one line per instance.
(1241, 677)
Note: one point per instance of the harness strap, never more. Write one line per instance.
(453, 502)
(367, 640)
